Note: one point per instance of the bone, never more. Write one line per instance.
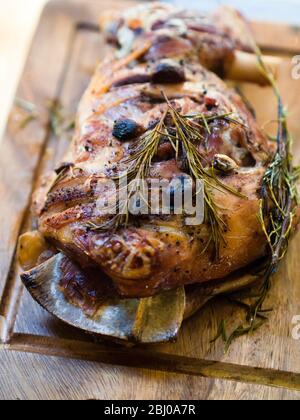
(245, 68)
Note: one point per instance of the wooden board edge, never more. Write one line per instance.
(158, 361)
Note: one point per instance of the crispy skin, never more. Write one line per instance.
(160, 253)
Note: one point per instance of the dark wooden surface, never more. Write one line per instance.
(64, 53)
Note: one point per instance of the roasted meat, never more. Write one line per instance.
(174, 32)
(166, 70)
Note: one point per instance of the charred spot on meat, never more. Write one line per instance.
(132, 79)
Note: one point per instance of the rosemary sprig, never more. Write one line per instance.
(137, 166)
(189, 136)
(58, 123)
(277, 208)
(27, 120)
(185, 133)
(140, 161)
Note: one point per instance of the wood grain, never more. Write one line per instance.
(157, 361)
(64, 53)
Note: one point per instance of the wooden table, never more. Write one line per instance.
(32, 340)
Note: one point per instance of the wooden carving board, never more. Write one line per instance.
(42, 358)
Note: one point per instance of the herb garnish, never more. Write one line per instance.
(188, 137)
(138, 167)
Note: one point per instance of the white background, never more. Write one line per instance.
(274, 10)
(18, 19)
